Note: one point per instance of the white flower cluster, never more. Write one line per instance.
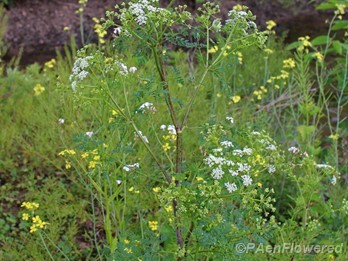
(241, 153)
(89, 133)
(234, 167)
(231, 187)
(238, 16)
(147, 106)
(226, 144)
(130, 167)
(170, 129)
(143, 9)
(246, 180)
(143, 137)
(330, 169)
(294, 150)
(220, 164)
(122, 68)
(79, 71)
(230, 119)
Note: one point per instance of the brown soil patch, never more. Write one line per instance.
(37, 26)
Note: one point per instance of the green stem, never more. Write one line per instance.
(45, 246)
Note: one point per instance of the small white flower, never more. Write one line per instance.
(246, 180)
(324, 166)
(163, 127)
(231, 187)
(217, 173)
(233, 172)
(226, 144)
(230, 119)
(171, 129)
(89, 133)
(255, 133)
(143, 137)
(61, 121)
(133, 69)
(212, 160)
(247, 151)
(294, 150)
(304, 154)
(271, 147)
(147, 106)
(218, 151)
(118, 182)
(130, 167)
(117, 30)
(243, 167)
(271, 169)
(333, 180)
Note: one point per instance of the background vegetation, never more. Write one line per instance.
(294, 96)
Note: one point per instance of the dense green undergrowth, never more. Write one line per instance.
(213, 149)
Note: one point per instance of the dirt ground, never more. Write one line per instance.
(37, 26)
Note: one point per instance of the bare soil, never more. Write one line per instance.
(37, 26)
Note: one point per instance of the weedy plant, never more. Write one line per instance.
(167, 130)
(159, 196)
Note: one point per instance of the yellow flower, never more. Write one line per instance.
(199, 178)
(289, 63)
(268, 51)
(66, 28)
(270, 25)
(114, 113)
(131, 189)
(213, 49)
(166, 146)
(156, 189)
(50, 64)
(169, 208)
(67, 164)
(25, 216)
(259, 184)
(92, 164)
(218, 95)
(126, 241)
(258, 94)
(235, 99)
(70, 152)
(153, 225)
(33, 228)
(111, 120)
(85, 155)
(96, 158)
(304, 44)
(38, 89)
(263, 89)
(319, 57)
(240, 57)
(37, 223)
(334, 136)
(238, 7)
(128, 250)
(340, 9)
(30, 205)
(284, 75)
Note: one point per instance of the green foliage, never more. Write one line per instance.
(134, 150)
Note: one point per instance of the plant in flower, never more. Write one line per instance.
(167, 198)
